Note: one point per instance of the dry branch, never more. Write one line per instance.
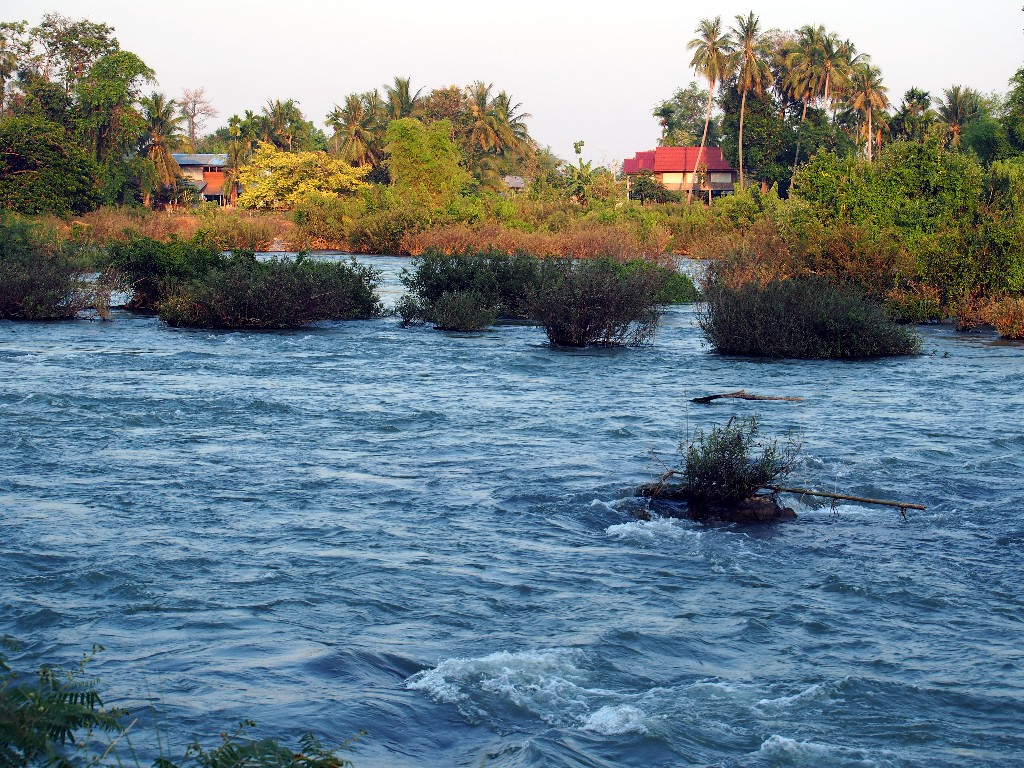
(742, 394)
(903, 505)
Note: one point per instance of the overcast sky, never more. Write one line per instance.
(584, 70)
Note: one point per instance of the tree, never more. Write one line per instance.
(1013, 112)
(682, 118)
(42, 170)
(711, 58)
(106, 99)
(71, 48)
(957, 108)
(424, 161)
(867, 94)
(356, 133)
(401, 101)
(914, 117)
(804, 74)
(12, 49)
(162, 136)
(276, 179)
(751, 66)
(195, 109)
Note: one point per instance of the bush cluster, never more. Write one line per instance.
(578, 301)
(41, 280)
(153, 268)
(241, 291)
(800, 317)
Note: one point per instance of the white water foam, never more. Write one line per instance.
(781, 750)
(548, 684)
(649, 531)
(784, 701)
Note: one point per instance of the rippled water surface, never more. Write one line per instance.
(430, 537)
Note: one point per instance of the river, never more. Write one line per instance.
(430, 537)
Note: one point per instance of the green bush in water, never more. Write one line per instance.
(463, 311)
(597, 302)
(806, 317)
(720, 470)
(153, 269)
(40, 280)
(244, 292)
(501, 282)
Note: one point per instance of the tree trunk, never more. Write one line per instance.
(743, 107)
(703, 140)
(870, 136)
(799, 135)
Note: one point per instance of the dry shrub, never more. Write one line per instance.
(232, 230)
(759, 256)
(1007, 315)
(620, 241)
(111, 225)
(915, 302)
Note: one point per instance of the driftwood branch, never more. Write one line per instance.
(743, 395)
(903, 505)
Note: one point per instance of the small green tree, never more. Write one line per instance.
(424, 162)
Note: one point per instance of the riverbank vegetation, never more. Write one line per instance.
(57, 717)
(919, 204)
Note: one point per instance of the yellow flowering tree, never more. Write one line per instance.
(275, 179)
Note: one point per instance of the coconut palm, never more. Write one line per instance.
(753, 72)
(805, 74)
(355, 126)
(958, 107)
(712, 59)
(282, 118)
(401, 101)
(486, 129)
(914, 116)
(162, 136)
(866, 95)
(513, 123)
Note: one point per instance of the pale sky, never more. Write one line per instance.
(584, 70)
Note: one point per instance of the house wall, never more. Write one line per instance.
(193, 172)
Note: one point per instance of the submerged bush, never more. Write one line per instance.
(597, 301)
(40, 280)
(720, 470)
(56, 717)
(467, 284)
(244, 292)
(804, 317)
(153, 268)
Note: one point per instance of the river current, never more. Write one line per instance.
(431, 538)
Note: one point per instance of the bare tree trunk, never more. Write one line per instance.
(743, 108)
(703, 140)
(870, 136)
(799, 135)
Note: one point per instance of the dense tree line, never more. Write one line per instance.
(785, 95)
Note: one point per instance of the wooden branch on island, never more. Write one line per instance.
(903, 505)
(742, 394)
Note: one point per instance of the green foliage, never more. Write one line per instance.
(597, 301)
(273, 178)
(682, 118)
(645, 187)
(42, 170)
(463, 311)
(720, 470)
(802, 317)
(485, 283)
(677, 288)
(424, 162)
(41, 281)
(153, 268)
(57, 718)
(241, 291)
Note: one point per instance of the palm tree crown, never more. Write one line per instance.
(753, 73)
(712, 58)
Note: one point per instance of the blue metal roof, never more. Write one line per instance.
(184, 158)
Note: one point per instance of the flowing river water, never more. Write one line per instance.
(430, 537)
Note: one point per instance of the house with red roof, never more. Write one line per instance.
(676, 169)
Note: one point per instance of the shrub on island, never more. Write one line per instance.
(42, 280)
(467, 291)
(800, 317)
(597, 302)
(153, 269)
(241, 291)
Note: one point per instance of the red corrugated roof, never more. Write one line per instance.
(676, 160)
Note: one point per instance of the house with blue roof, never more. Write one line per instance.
(207, 173)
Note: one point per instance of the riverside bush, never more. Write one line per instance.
(597, 301)
(153, 268)
(241, 291)
(56, 717)
(40, 280)
(1007, 315)
(494, 283)
(803, 317)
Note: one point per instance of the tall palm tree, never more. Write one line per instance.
(914, 116)
(355, 126)
(867, 94)
(712, 59)
(753, 73)
(513, 123)
(162, 135)
(401, 101)
(486, 130)
(805, 74)
(282, 118)
(957, 107)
